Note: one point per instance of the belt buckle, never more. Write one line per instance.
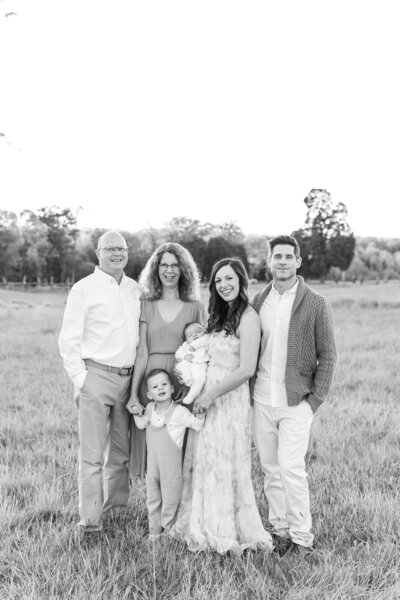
(124, 371)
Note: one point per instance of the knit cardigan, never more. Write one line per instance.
(311, 353)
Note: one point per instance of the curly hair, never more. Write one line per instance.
(189, 280)
(224, 316)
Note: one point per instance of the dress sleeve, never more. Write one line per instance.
(200, 314)
(143, 311)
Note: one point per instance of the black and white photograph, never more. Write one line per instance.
(199, 300)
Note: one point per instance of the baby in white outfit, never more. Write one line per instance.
(191, 360)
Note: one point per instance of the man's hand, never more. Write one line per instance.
(134, 406)
(188, 357)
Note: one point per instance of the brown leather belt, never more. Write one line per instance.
(123, 371)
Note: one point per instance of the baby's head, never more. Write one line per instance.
(159, 386)
(193, 331)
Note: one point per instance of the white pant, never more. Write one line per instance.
(281, 435)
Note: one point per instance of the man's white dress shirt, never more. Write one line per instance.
(101, 322)
(275, 316)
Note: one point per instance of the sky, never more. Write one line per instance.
(141, 111)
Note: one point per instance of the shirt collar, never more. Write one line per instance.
(292, 290)
(101, 275)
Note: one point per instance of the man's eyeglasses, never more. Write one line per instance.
(175, 267)
(112, 249)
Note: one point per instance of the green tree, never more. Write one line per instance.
(326, 239)
(85, 252)
(61, 232)
(219, 247)
(257, 250)
(141, 245)
(207, 242)
(192, 234)
(184, 228)
(229, 230)
(35, 247)
(9, 245)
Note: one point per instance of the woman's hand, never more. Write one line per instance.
(134, 406)
(204, 401)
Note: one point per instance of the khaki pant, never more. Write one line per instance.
(281, 436)
(104, 425)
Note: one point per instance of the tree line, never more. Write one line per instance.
(46, 246)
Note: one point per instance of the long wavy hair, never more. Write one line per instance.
(223, 316)
(189, 280)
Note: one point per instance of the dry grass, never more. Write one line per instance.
(353, 461)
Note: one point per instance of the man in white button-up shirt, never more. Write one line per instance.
(98, 340)
(294, 374)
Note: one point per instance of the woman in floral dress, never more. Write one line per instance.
(218, 509)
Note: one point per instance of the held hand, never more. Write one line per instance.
(188, 357)
(205, 400)
(134, 406)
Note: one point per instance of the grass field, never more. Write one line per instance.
(353, 463)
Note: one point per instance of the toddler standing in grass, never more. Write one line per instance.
(165, 423)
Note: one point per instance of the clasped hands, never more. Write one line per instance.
(134, 406)
(203, 403)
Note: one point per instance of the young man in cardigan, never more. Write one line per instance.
(294, 373)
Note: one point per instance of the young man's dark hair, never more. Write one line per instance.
(284, 239)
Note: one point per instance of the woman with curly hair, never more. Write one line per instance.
(218, 510)
(171, 290)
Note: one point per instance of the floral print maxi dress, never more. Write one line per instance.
(218, 509)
